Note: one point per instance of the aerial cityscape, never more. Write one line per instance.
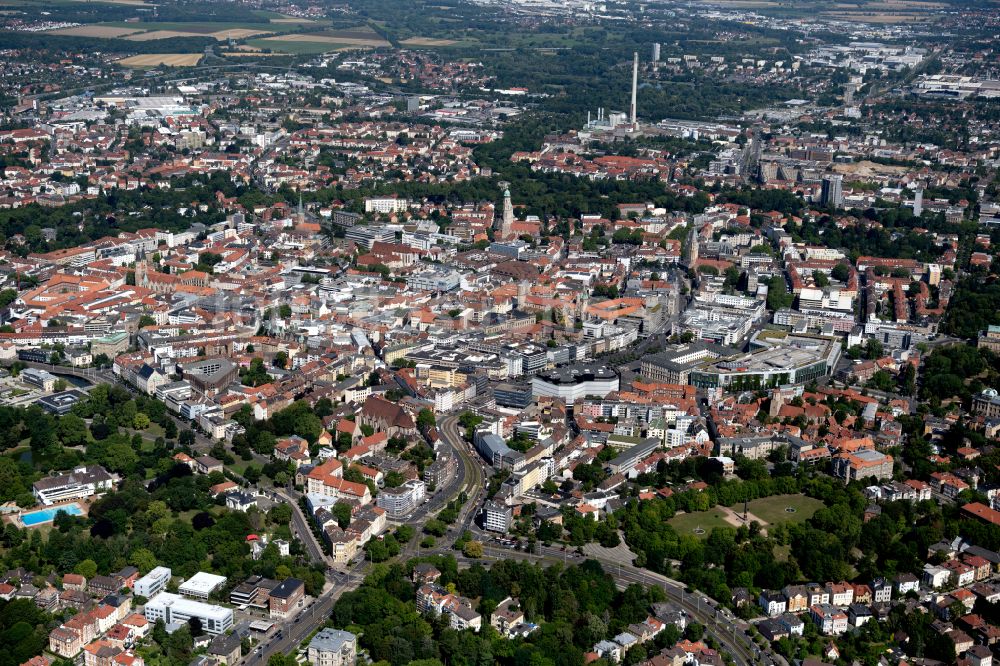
(528, 333)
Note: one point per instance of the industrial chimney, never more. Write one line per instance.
(635, 86)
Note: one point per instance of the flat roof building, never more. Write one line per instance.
(575, 382)
(153, 582)
(175, 609)
(201, 585)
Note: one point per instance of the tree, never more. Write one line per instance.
(777, 294)
(425, 420)
(473, 549)
(186, 438)
(873, 349)
(146, 320)
(342, 512)
(841, 272)
(143, 559)
(86, 568)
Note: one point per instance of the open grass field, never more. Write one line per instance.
(158, 59)
(108, 31)
(767, 511)
(783, 508)
(699, 524)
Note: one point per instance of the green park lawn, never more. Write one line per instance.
(688, 523)
(775, 509)
(770, 510)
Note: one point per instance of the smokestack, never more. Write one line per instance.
(635, 85)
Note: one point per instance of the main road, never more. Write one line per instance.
(469, 478)
(728, 631)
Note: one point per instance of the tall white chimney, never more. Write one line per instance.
(635, 86)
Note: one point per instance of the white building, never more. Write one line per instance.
(572, 383)
(201, 585)
(81, 482)
(332, 647)
(496, 517)
(175, 609)
(386, 205)
(401, 501)
(152, 583)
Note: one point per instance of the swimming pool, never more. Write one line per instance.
(48, 515)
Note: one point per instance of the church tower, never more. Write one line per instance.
(506, 216)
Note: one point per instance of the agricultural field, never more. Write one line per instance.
(322, 41)
(219, 30)
(291, 47)
(137, 3)
(106, 31)
(220, 35)
(161, 59)
(427, 41)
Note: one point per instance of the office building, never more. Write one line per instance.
(575, 382)
(401, 501)
(175, 609)
(287, 598)
(832, 194)
(152, 583)
(494, 448)
(201, 585)
(497, 517)
(40, 379)
(368, 235)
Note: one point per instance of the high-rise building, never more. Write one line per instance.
(918, 202)
(833, 191)
(656, 52)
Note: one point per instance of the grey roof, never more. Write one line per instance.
(331, 640)
(224, 645)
